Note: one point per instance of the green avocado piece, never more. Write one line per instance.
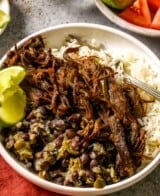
(118, 4)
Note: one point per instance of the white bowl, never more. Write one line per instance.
(113, 39)
(4, 5)
(113, 17)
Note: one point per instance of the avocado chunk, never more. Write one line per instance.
(118, 4)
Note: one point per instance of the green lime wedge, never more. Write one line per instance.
(11, 76)
(12, 105)
(118, 4)
(4, 18)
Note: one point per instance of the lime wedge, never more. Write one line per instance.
(4, 18)
(12, 97)
(11, 76)
(119, 4)
(12, 105)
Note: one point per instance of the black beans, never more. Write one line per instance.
(56, 133)
(65, 162)
(39, 155)
(90, 175)
(85, 144)
(45, 165)
(58, 124)
(25, 136)
(58, 141)
(93, 155)
(75, 176)
(70, 133)
(85, 171)
(42, 110)
(75, 143)
(68, 183)
(10, 143)
(59, 180)
(84, 158)
(93, 163)
(66, 154)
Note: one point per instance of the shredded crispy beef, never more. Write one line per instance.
(81, 126)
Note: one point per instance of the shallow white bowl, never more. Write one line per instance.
(112, 39)
(113, 17)
(4, 5)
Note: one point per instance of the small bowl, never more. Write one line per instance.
(113, 17)
(4, 5)
(114, 40)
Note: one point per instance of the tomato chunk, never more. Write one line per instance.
(156, 20)
(138, 14)
(154, 4)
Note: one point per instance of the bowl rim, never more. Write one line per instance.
(108, 13)
(76, 190)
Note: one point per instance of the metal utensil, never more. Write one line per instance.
(143, 86)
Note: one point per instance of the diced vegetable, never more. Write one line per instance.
(138, 13)
(156, 20)
(154, 4)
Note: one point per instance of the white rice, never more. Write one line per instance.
(138, 67)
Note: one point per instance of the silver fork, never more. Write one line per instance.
(143, 86)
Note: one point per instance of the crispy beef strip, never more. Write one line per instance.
(134, 100)
(119, 101)
(125, 162)
(127, 106)
(137, 134)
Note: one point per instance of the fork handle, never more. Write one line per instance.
(143, 86)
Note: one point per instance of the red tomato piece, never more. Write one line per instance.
(138, 14)
(156, 20)
(154, 4)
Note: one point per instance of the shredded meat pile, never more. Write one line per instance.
(81, 126)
